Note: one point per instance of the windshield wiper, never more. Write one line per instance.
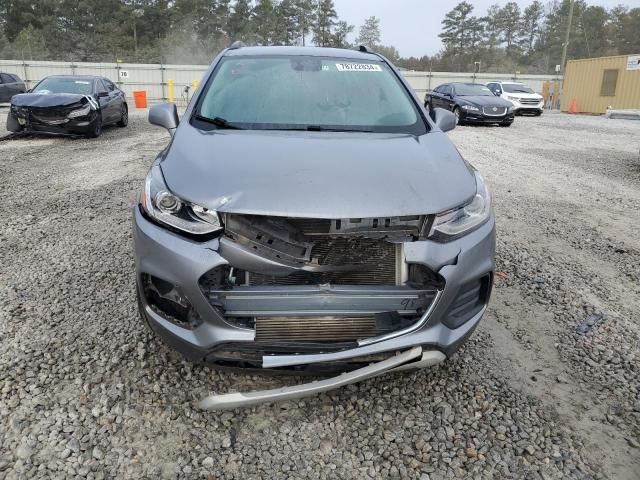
(219, 122)
(318, 128)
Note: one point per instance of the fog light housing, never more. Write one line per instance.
(167, 300)
(471, 299)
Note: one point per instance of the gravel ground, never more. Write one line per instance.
(86, 391)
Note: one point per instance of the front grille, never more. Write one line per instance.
(494, 111)
(529, 101)
(310, 329)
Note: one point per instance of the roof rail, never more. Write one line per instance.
(237, 44)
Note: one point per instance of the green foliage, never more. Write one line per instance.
(369, 34)
(508, 39)
(505, 38)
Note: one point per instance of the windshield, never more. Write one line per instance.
(63, 85)
(306, 92)
(516, 88)
(464, 90)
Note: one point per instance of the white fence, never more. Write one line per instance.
(154, 78)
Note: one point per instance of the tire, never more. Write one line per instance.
(97, 127)
(506, 124)
(13, 125)
(124, 116)
(456, 112)
(538, 113)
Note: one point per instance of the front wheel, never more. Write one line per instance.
(538, 113)
(456, 112)
(506, 124)
(12, 124)
(124, 116)
(97, 127)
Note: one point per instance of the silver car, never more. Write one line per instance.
(309, 215)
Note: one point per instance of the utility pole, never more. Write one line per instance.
(566, 37)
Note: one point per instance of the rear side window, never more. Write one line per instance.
(609, 82)
(109, 84)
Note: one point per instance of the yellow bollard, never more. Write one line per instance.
(195, 85)
(170, 83)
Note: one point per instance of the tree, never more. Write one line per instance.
(491, 27)
(459, 33)
(286, 23)
(531, 26)
(263, 22)
(623, 30)
(389, 52)
(369, 34)
(456, 28)
(325, 20)
(340, 34)
(239, 26)
(508, 20)
(305, 17)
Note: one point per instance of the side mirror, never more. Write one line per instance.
(497, 93)
(164, 115)
(103, 94)
(444, 119)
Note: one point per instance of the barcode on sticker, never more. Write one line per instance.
(358, 67)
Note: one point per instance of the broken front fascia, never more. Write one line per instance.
(413, 358)
(53, 110)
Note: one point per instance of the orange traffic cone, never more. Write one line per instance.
(573, 106)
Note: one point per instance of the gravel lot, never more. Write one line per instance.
(86, 391)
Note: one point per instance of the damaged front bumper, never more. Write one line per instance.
(243, 327)
(54, 121)
(413, 358)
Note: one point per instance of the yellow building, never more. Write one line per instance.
(597, 84)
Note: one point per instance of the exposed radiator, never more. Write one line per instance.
(359, 261)
(314, 329)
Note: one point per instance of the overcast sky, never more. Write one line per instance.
(412, 26)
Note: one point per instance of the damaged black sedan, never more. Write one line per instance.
(69, 105)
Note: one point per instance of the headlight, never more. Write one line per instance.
(509, 109)
(471, 107)
(165, 207)
(513, 99)
(455, 223)
(81, 112)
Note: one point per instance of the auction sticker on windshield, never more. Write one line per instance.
(358, 67)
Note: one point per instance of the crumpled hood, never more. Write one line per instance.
(317, 174)
(49, 99)
(486, 101)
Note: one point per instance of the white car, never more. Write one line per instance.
(524, 99)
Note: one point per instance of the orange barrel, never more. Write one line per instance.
(140, 98)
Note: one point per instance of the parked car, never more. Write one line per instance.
(10, 85)
(523, 98)
(471, 103)
(309, 215)
(69, 104)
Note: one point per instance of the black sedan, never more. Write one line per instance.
(10, 85)
(471, 102)
(69, 105)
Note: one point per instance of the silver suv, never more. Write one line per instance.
(308, 214)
